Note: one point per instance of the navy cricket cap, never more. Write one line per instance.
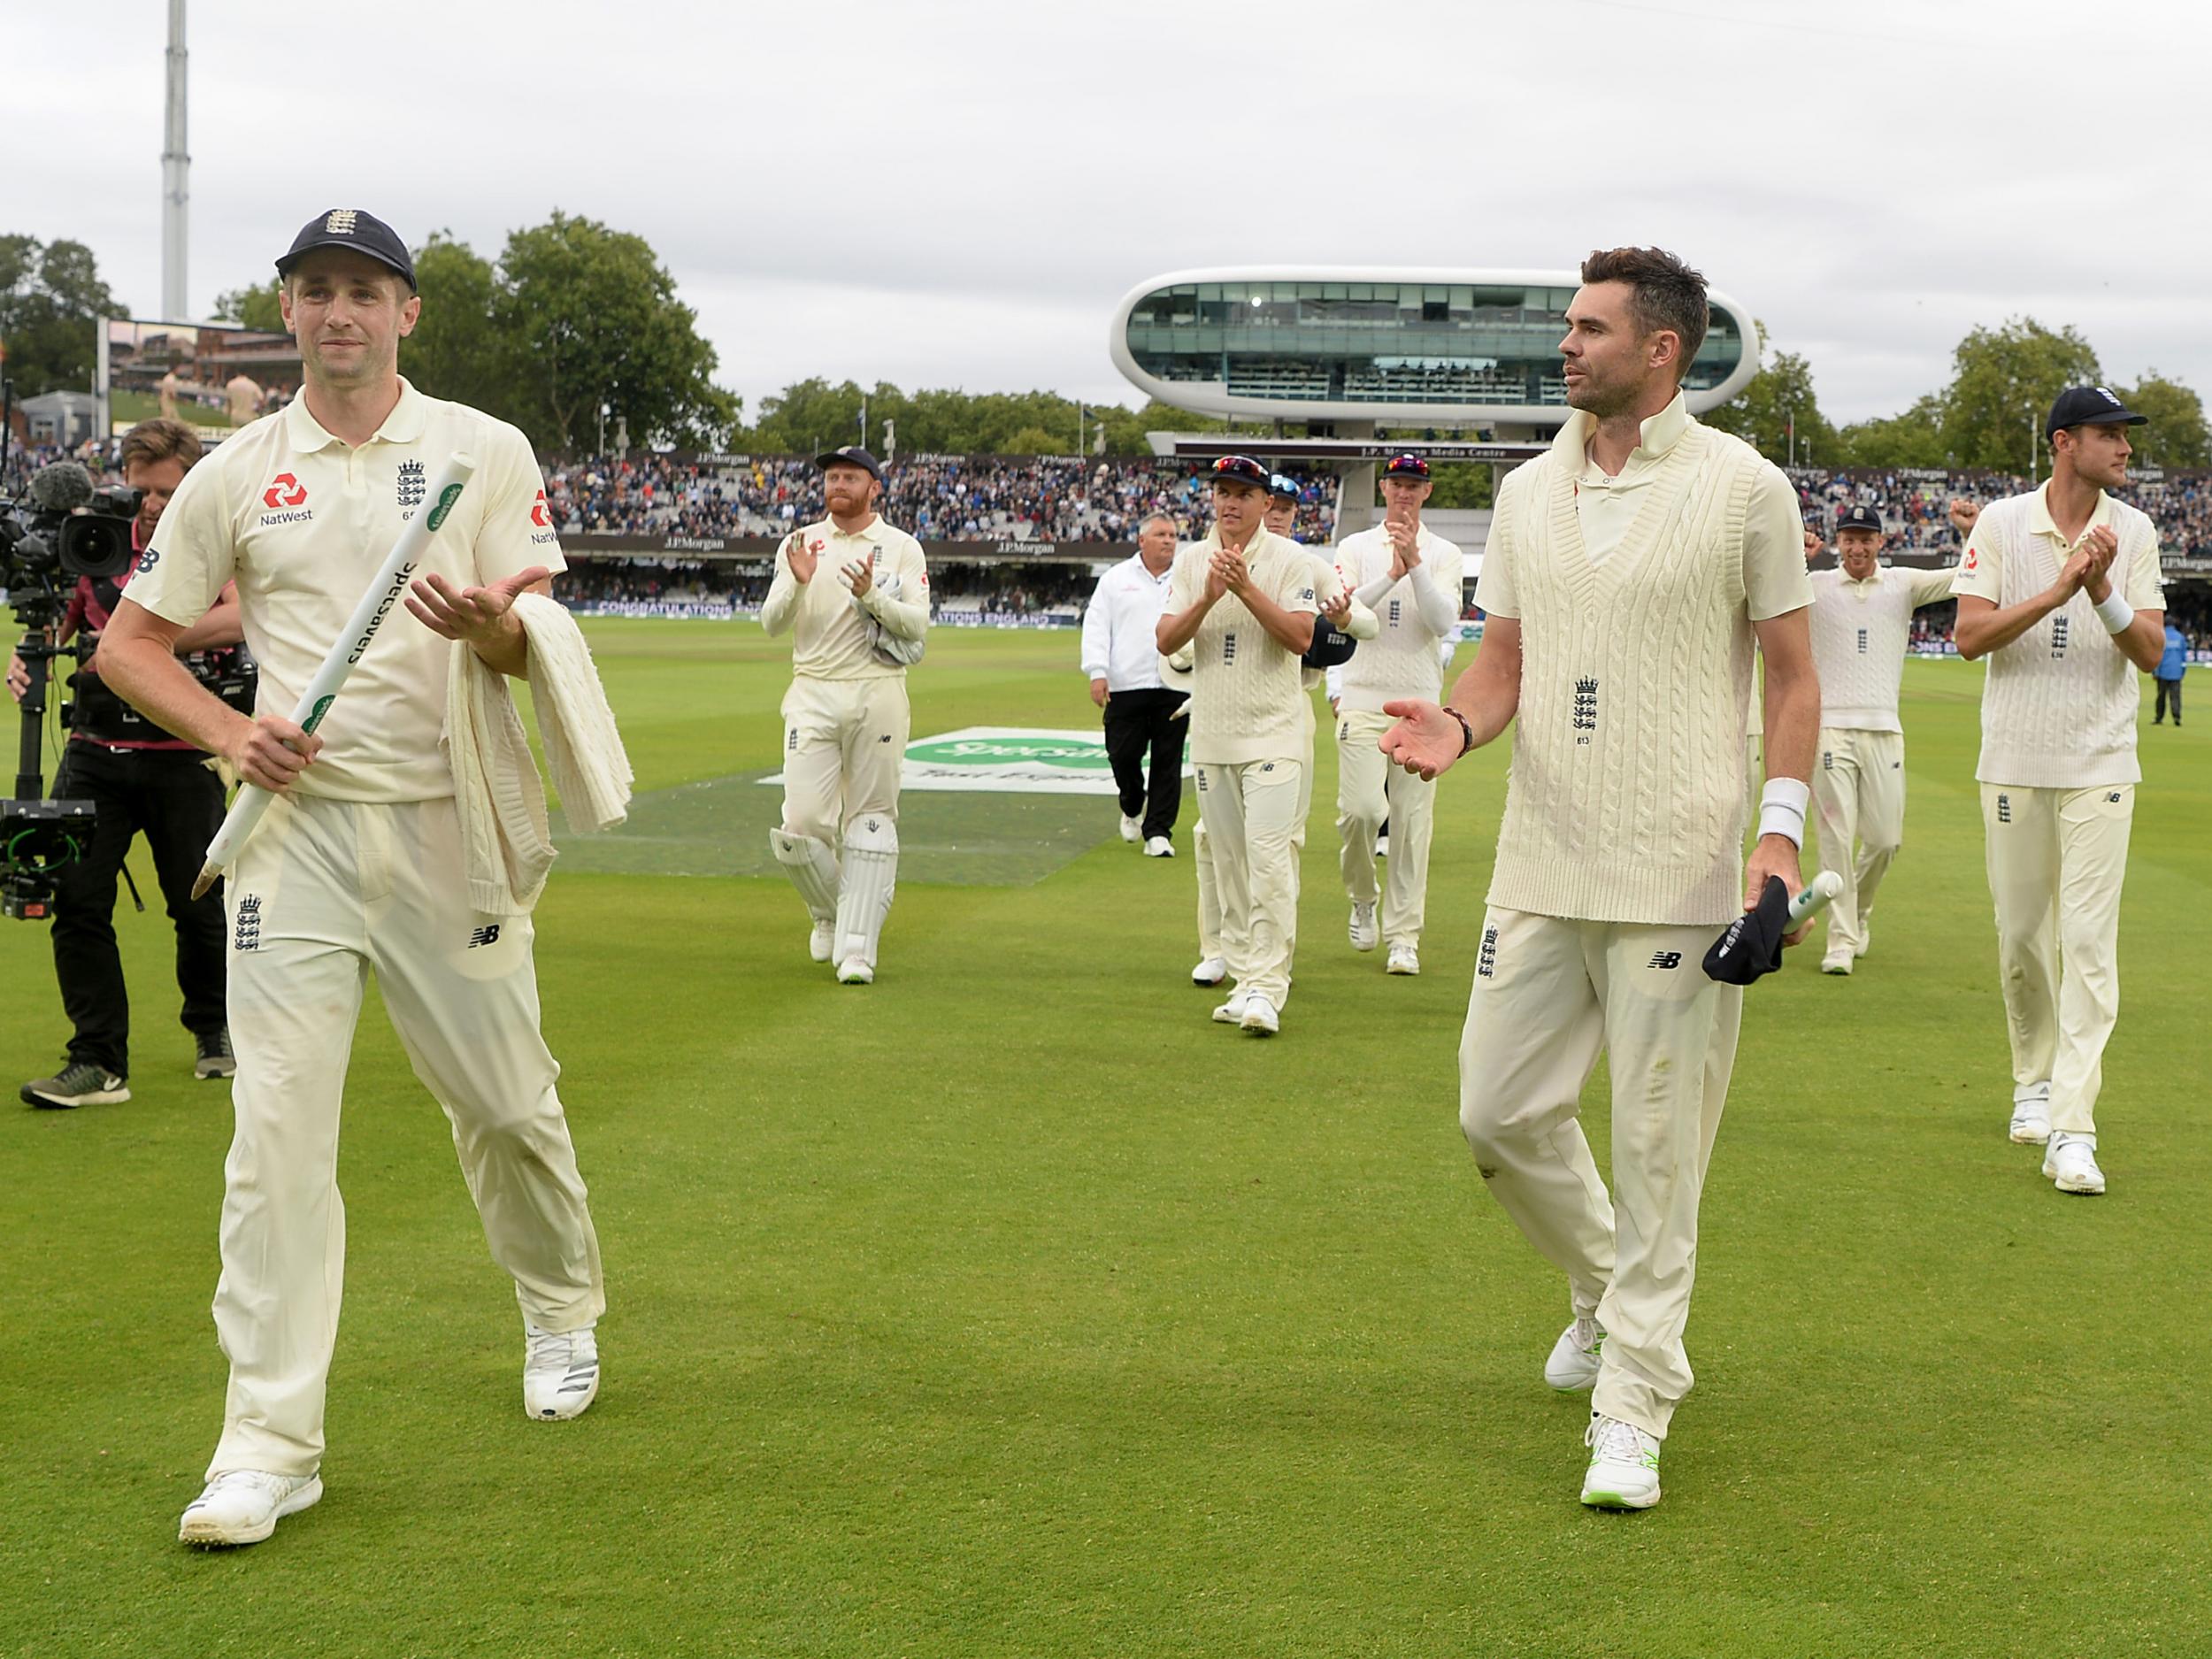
(2090, 406)
(350, 227)
(1858, 516)
(1239, 468)
(1282, 488)
(851, 455)
(1408, 465)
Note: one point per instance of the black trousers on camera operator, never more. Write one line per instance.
(141, 780)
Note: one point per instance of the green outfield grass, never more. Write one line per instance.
(1010, 1307)
(130, 407)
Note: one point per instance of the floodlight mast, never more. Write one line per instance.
(176, 168)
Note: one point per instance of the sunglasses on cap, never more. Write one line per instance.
(1238, 469)
(1406, 466)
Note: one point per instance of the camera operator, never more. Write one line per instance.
(141, 778)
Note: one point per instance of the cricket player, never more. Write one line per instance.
(1245, 600)
(1409, 577)
(2060, 588)
(1862, 622)
(1627, 574)
(1338, 606)
(1342, 612)
(359, 866)
(855, 592)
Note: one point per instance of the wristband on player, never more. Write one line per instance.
(2117, 615)
(1466, 732)
(1782, 806)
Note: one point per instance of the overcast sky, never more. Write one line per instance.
(956, 193)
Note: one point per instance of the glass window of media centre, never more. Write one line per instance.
(1379, 342)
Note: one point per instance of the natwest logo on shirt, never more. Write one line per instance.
(540, 514)
(286, 491)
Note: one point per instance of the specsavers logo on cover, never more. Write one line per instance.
(1007, 759)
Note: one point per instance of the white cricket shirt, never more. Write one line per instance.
(2059, 706)
(302, 523)
(829, 624)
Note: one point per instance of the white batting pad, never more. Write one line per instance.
(812, 868)
(872, 870)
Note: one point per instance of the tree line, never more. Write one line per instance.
(576, 330)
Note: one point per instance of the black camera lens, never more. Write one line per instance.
(96, 545)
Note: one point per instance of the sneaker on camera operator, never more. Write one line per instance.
(141, 780)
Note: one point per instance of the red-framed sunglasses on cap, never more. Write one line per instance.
(1406, 466)
(1239, 468)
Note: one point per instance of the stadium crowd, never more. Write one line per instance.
(1915, 503)
(937, 499)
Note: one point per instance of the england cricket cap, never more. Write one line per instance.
(2090, 406)
(349, 228)
(1239, 468)
(851, 455)
(1408, 465)
(1752, 945)
(1282, 488)
(1858, 516)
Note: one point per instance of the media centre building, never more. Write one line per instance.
(1437, 359)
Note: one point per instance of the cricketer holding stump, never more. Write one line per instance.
(361, 862)
(1628, 570)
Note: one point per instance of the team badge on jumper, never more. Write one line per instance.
(1585, 711)
(411, 485)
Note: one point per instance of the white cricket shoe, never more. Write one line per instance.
(1838, 964)
(853, 970)
(1260, 1018)
(1132, 829)
(1231, 1012)
(1403, 959)
(1382, 845)
(1573, 1364)
(1159, 847)
(1623, 1471)
(819, 941)
(1363, 930)
(243, 1506)
(2031, 1117)
(1866, 933)
(2072, 1163)
(1210, 970)
(560, 1373)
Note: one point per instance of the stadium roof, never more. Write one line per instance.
(1431, 348)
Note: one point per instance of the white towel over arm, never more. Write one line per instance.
(504, 832)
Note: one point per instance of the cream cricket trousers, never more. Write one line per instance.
(1201, 850)
(324, 892)
(1548, 993)
(1210, 944)
(2057, 859)
(1250, 811)
(1859, 792)
(844, 741)
(1370, 789)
